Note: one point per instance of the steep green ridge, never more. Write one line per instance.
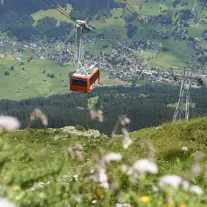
(40, 152)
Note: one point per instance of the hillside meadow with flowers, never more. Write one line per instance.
(163, 166)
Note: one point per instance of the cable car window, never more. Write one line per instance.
(94, 78)
(79, 82)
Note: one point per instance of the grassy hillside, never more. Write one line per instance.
(33, 81)
(52, 13)
(44, 149)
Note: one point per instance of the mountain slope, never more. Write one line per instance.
(42, 153)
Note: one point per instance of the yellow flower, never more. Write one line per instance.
(169, 205)
(145, 199)
(99, 192)
(182, 205)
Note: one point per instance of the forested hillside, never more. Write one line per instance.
(146, 106)
(177, 16)
(15, 16)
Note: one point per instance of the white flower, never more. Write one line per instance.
(9, 123)
(38, 114)
(124, 168)
(145, 165)
(122, 205)
(174, 181)
(94, 201)
(102, 175)
(126, 142)
(185, 149)
(76, 177)
(112, 157)
(78, 199)
(6, 203)
(196, 190)
(98, 115)
(105, 185)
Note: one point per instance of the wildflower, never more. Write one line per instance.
(124, 168)
(78, 200)
(101, 176)
(99, 192)
(169, 202)
(71, 153)
(126, 142)
(112, 157)
(105, 185)
(6, 203)
(124, 120)
(9, 123)
(145, 199)
(185, 149)
(103, 179)
(174, 181)
(76, 151)
(122, 205)
(196, 190)
(145, 165)
(94, 201)
(37, 114)
(98, 115)
(75, 177)
(182, 205)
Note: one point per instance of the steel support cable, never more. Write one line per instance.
(162, 42)
(60, 10)
(100, 34)
(142, 21)
(68, 16)
(132, 11)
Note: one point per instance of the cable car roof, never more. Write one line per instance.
(85, 73)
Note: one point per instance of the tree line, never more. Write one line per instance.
(146, 106)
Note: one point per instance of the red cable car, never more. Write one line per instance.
(85, 83)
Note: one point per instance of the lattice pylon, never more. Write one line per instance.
(183, 106)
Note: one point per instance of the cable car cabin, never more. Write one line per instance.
(84, 83)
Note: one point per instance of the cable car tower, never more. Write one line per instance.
(184, 100)
(183, 104)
